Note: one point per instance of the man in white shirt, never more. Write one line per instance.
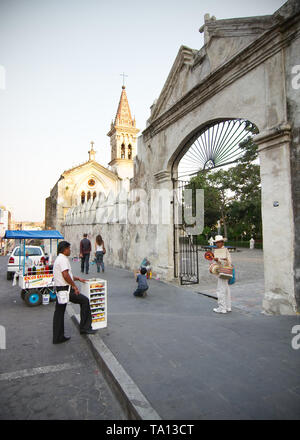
(64, 280)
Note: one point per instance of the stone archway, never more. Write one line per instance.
(222, 149)
(253, 82)
(212, 147)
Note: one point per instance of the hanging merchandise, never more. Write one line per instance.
(232, 280)
(225, 272)
(34, 275)
(209, 255)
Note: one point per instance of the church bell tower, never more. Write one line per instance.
(123, 139)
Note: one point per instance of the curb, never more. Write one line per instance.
(132, 400)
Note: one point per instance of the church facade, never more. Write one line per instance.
(90, 180)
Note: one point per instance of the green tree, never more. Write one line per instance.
(244, 209)
(233, 195)
(212, 198)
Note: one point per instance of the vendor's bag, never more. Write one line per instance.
(225, 272)
(232, 280)
(63, 296)
(214, 268)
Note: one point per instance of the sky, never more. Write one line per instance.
(60, 79)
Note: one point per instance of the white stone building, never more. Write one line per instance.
(5, 224)
(81, 185)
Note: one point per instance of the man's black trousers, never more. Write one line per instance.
(59, 315)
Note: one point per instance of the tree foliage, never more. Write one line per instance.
(233, 195)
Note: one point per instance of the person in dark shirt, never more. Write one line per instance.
(141, 279)
(85, 250)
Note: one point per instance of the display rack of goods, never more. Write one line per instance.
(96, 291)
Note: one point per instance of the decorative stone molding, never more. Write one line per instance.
(185, 57)
(235, 27)
(273, 137)
(265, 46)
(163, 176)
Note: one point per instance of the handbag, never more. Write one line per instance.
(232, 280)
(214, 268)
(225, 272)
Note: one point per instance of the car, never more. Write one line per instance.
(35, 253)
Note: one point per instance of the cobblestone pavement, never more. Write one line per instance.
(39, 380)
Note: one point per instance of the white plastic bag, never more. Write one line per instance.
(63, 296)
(16, 277)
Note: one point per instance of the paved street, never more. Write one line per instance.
(191, 363)
(39, 380)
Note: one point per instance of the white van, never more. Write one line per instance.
(34, 253)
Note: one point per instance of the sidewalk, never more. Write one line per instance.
(193, 364)
(42, 381)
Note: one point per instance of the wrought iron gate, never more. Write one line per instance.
(185, 245)
(217, 144)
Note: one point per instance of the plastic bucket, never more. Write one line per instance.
(46, 298)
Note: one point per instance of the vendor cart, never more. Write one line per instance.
(36, 282)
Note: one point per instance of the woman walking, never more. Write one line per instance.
(100, 251)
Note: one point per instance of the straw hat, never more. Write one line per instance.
(219, 238)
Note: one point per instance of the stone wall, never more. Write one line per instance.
(126, 243)
(293, 108)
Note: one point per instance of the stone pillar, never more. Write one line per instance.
(165, 231)
(278, 223)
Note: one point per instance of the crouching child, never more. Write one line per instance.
(141, 279)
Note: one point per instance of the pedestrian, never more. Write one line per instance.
(252, 243)
(141, 279)
(64, 281)
(222, 257)
(85, 250)
(99, 252)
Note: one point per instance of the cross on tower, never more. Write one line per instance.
(92, 152)
(123, 74)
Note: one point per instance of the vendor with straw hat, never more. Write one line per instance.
(222, 257)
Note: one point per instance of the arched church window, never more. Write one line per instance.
(94, 195)
(88, 195)
(82, 197)
(123, 151)
(129, 151)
